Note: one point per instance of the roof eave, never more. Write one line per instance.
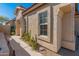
(32, 8)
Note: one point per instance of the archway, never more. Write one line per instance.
(64, 26)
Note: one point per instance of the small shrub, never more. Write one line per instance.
(12, 33)
(30, 40)
(34, 45)
(23, 34)
(25, 37)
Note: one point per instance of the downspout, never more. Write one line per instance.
(27, 24)
(24, 25)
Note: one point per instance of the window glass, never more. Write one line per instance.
(43, 17)
(43, 23)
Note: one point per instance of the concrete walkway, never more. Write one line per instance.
(21, 48)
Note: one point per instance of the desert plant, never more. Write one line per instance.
(12, 33)
(30, 40)
(34, 44)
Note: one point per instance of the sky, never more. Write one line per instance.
(8, 9)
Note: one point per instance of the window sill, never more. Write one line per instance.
(43, 38)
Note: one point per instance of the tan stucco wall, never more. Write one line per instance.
(54, 27)
(33, 24)
(22, 26)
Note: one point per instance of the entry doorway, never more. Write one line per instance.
(66, 35)
(64, 27)
(65, 31)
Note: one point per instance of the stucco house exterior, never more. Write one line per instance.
(11, 25)
(52, 24)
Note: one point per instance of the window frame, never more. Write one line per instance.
(44, 23)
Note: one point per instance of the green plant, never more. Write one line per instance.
(12, 33)
(30, 40)
(34, 45)
(23, 34)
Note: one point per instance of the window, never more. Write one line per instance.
(43, 23)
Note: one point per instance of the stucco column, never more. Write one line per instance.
(22, 28)
(17, 27)
(55, 12)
